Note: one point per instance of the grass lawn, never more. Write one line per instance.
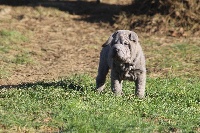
(172, 102)
(39, 43)
(71, 105)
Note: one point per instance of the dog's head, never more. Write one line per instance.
(123, 45)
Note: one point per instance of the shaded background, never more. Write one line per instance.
(172, 17)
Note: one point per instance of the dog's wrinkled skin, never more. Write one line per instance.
(122, 54)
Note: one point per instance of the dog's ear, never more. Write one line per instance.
(133, 37)
(110, 39)
(115, 34)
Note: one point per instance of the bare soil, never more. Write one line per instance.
(65, 37)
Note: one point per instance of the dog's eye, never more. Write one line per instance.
(126, 43)
(134, 41)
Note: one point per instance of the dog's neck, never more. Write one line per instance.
(127, 71)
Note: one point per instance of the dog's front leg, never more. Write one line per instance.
(140, 85)
(116, 83)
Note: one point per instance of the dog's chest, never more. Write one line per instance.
(128, 72)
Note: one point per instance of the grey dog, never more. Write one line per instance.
(122, 54)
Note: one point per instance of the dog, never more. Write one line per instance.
(122, 53)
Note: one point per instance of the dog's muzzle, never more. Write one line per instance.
(119, 53)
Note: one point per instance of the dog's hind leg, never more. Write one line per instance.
(101, 78)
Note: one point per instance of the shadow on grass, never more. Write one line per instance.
(64, 84)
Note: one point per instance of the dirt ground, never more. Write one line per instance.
(61, 42)
(65, 37)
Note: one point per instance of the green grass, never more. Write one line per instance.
(24, 58)
(4, 72)
(71, 105)
(172, 102)
(176, 59)
(12, 52)
(11, 36)
(10, 45)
